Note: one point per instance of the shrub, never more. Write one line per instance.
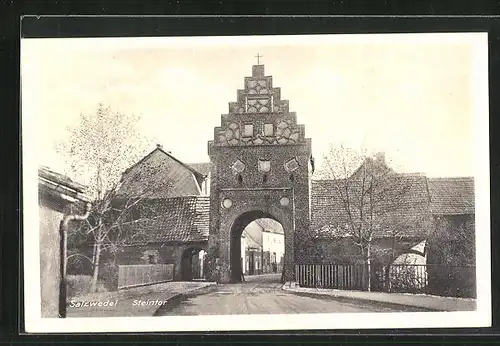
(108, 274)
(78, 285)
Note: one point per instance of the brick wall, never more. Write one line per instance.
(254, 193)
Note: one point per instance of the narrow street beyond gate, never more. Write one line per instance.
(263, 294)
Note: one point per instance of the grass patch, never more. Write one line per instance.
(78, 285)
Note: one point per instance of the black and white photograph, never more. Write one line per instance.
(334, 181)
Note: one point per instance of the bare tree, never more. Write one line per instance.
(100, 147)
(370, 196)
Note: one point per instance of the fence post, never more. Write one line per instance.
(317, 270)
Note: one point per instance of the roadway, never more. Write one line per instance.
(262, 294)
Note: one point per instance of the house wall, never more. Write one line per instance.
(206, 185)
(244, 247)
(50, 217)
(272, 243)
(140, 254)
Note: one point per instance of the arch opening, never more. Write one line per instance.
(192, 264)
(257, 245)
(408, 272)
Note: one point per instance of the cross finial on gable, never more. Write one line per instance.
(258, 56)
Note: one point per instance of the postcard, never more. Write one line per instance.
(255, 182)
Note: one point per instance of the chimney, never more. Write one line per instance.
(380, 157)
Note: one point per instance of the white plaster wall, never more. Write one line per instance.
(274, 242)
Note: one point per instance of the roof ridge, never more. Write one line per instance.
(167, 154)
(252, 239)
(61, 179)
(179, 161)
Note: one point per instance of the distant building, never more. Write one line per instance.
(430, 224)
(262, 247)
(160, 168)
(203, 168)
(453, 242)
(251, 254)
(409, 217)
(171, 220)
(57, 196)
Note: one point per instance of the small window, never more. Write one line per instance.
(240, 179)
(268, 130)
(152, 259)
(264, 178)
(248, 130)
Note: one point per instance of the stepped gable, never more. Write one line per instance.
(271, 121)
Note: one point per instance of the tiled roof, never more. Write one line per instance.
(60, 179)
(404, 210)
(180, 219)
(270, 225)
(162, 176)
(251, 242)
(452, 196)
(56, 184)
(203, 168)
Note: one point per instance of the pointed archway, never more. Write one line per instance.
(239, 225)
(192, 261)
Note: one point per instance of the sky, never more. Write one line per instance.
(413, 96)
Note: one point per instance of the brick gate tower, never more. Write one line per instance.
(260, 162)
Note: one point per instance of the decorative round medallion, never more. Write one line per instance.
(284, 201)
(227, 203)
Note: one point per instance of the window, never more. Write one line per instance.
(268, 130)
(152, 259)
(248, 130)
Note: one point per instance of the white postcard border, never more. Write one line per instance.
(479, 318)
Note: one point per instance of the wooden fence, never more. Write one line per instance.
(453, 281)
(144, 274)
(340, 276)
